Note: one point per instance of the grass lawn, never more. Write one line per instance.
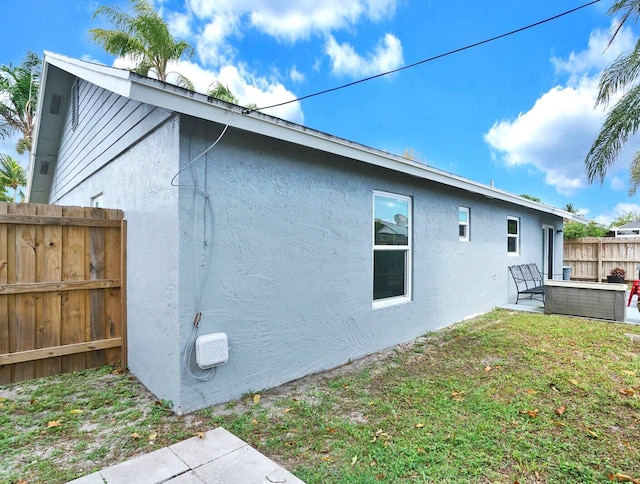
(508, 397)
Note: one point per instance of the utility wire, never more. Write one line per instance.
(424, 61)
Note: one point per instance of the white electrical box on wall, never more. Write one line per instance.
(212, 350)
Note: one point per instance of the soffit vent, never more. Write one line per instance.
(44, 167)
(56, 104)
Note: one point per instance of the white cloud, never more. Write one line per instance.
(296, 76)
(555, 135)
(179, 24)
(596, 57)
(292, 20)
(620, 209)
(386, 56)
(245, 85)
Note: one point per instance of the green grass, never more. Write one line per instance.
(508, 397)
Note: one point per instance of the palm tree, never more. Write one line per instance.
(570, 208)
(144, 37)
(12, 175)
(623, 120)
(18, 96)
(222, 92)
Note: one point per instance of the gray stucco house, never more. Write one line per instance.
(304, 249)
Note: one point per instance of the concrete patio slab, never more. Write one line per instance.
(196, 451)
(218, 457)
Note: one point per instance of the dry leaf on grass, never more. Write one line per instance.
(531, 413)
(135, 435)
(53, 423)
(627, 391)
(256, 398)
(622, 478)
(199, 435)
(561, 409)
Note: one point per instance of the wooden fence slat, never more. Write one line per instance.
(59, 286)
(52, 301)
(73, 303)
(95, 243)
(58, 351)
(23, 219)
(5, 371)
(112, 301)
(25, 307)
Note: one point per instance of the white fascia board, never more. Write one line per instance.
(110, 78)
(199, 106)
(36, 129)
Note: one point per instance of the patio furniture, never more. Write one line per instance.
(635, 289)
(528, 281)
(594, 300)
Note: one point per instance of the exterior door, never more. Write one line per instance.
(548, 235)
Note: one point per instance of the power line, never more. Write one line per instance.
(424, 61)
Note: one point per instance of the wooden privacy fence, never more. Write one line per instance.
(62, 289)
(592, 258)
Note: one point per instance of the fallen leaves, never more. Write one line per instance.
(256, 399)
(457, 396)
(380, 435)
(54, 423)
(200, 435)
(627, 391)
(561, 409)
(531, 413)
(76, 411)
(623, 478)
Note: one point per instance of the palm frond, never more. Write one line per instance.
(624, 71)
(621, 122)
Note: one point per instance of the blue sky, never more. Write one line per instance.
(518, 112)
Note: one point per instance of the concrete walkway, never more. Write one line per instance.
(220, 457)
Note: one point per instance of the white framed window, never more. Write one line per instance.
(513, 236)
(97, 201)
(463, 223)
(392, 259)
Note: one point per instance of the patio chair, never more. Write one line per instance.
(528, 281)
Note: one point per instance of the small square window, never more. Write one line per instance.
(463, 224)
(97, 201)
(513, 235)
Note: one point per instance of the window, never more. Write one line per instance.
(463, 224)
(391, 249)
(513, 235)
(97, 201)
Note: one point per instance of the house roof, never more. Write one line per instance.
(59, 72)
(631, 225)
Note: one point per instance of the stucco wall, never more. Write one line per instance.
(138, 182)
(282, 260)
